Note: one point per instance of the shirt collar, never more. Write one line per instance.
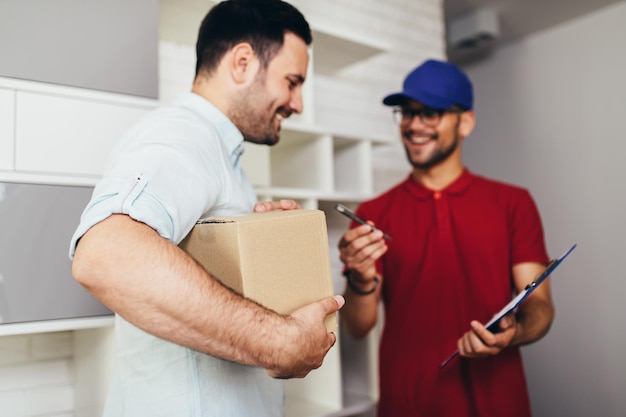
(227, 131)
(457, 187)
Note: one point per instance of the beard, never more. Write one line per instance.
(438, 156)
(253, 115)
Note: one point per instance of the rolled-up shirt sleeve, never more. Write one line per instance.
(160, 174)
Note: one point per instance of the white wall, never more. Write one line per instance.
(551, 112)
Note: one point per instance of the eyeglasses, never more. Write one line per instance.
(428, 116)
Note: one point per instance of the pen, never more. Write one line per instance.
(346, 212)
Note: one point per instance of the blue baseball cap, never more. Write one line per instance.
(435, 84)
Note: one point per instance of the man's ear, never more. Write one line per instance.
(467, 123)
(244, 63)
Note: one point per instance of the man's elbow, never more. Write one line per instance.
(550, 313)
(83, 268)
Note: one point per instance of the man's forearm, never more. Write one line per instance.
(154, 285)
(534, 320)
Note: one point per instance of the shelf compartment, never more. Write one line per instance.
(255, 163)
(335, 51)
(353, 166)
(301, 160)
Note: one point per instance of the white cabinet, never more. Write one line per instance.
(58, 134)
(7, 128)
(68, 135)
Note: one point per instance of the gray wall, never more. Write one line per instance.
(551, 116)
(103, 45)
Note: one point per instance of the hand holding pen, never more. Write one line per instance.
(346, 212)
(359, 251)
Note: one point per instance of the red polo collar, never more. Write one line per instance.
(457, 187)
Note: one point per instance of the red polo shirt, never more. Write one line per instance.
(449, 263)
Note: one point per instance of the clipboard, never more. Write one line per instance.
(493, 324)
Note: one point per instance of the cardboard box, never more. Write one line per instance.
(279, 259)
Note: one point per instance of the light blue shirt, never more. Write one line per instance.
(176, 165)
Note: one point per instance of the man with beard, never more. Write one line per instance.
(462, 244)
(186, 345)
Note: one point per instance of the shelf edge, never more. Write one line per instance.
(10, 329)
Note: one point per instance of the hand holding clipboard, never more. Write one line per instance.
(493, 324)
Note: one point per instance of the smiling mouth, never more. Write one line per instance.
(420, 140)
(283, 113)
(278, 121)
(280, 116)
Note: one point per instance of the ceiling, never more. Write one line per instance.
(517, 18)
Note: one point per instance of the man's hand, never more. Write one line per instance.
(262, 206)
(360, 248)
(480, 342)
(306, 340)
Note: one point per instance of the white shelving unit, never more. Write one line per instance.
(324, 156)
(63, 135)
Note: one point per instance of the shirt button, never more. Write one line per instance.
(437, 195)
